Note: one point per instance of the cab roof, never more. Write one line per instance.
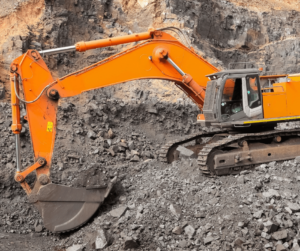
(233, 72)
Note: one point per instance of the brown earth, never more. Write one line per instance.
(14, 21)
(267, 5)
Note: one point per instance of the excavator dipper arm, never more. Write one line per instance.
(160, 56)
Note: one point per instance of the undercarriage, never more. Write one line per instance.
(227, 152)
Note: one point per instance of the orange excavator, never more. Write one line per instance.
(241, 104)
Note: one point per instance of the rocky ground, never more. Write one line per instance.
(153, 206)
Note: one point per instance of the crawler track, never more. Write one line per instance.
(167, 151)
(206, 153)
(231, 145)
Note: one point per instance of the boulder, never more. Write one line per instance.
(190, 231)
(75, 248)
(175, 210)
(293, 206)
(271, 193)
(177, 230)
(118, 212)
(184, 152)
(131, 244)
(280, 235)
(102, 239)
(208, 240)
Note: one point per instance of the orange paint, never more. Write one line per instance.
(83, 46)
(274, 105)
(283, 102)
(139, 62)
(16, 126)
(201, 117)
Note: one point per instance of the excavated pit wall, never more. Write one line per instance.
(232, 33)
(224, 33)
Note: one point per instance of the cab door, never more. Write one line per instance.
(252, 103)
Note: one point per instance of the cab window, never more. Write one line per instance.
(253, 91)
(232, 97)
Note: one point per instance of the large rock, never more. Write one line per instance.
(135, 158)
(110, 134)
(271, 193)
(102, 239)
(87, 118)
(75, 248)
(175, 210)
(269, 245)
(183, 244)
(118, 212)
(271, 227)
(190, 231)
(38, 228)
(293, 206)
(131, 145)
(297, 159)
(177, 230)
(280, 235)
(239, 242)
(288, 210)
(208, 240)
(111, 151)
(134, 152)
(184, 152)
(152, 110)
(130, 244)
(296, 246)
(258, 214)
(240, 180)
(91, 134)
(280, 247)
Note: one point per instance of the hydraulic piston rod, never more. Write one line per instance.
(188, 80)
(83, 46)
(58, 50)
(18, 152)
(176, 66)
(16, 124)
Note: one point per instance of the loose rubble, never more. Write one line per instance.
(154, 205)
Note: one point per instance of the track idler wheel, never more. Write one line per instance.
(173, 154)
(211, 161)
(66, 208)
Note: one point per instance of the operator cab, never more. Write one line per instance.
(233, 95)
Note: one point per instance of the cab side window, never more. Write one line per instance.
(253, 91)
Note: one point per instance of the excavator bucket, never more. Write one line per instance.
(66, 208)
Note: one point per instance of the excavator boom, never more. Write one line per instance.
(159, 56)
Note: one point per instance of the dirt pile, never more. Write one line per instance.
(154, 206)
(93, 132)
(251, 211)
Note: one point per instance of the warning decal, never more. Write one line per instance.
(49, 126)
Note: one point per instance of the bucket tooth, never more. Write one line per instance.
(66, 208)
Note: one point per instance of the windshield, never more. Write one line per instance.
(232, 97)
